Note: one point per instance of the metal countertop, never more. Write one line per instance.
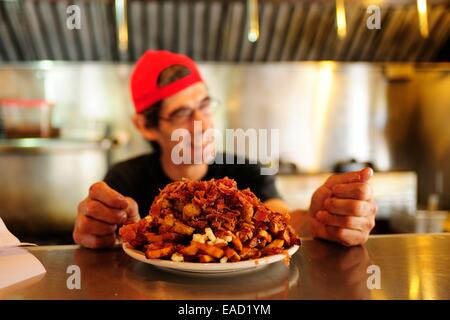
(411, 267)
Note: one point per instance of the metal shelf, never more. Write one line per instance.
(39, 145)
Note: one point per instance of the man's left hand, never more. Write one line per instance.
(343, 209)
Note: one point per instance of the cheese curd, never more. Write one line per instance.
(177, 257)
(210, 234)
(199, 237)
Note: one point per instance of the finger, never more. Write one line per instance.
(349, 207)
(347, 237)
(366, 174)
(349, 177)
(88, 225)
(349, 222)
(319, 197)
(98, 211)
(354, 190)
(132, 211)
(100, 191)
(94, 242)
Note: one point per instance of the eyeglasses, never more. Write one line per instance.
(183, 115)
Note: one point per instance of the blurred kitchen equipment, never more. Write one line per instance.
(423, 221)
(43, 180)
(393, 192)
(26, 118)
(430, 221)
(434, 197)
(287, 167)
(351, 165)
(1, 127)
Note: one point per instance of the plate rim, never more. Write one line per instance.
(208, 267)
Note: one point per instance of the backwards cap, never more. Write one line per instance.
(144, 78)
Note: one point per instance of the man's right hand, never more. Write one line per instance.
(100, 214)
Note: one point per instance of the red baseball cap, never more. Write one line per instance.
(144, 78)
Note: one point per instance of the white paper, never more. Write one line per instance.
(16, 264)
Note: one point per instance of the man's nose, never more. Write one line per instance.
(199, 117)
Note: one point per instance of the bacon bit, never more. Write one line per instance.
(155, 210)
(262, 215)
(128, 232)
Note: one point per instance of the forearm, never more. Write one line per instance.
(299, 218)
(277, 205)
(300, 222)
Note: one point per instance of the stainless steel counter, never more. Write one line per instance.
(411, 267)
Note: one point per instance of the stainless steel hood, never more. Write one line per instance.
(216, 30)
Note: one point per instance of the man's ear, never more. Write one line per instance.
(140, 124)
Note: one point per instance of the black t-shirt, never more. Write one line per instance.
(142, 177)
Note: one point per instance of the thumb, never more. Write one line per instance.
(132, 211)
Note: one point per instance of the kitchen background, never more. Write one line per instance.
(341, 95)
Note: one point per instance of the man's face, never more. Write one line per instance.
(179, 112)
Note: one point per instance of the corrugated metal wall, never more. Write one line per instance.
(216, 30)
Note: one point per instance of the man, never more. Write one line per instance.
(168, 94)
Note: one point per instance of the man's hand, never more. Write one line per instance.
(100, 214)
(343, 210)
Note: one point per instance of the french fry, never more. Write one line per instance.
(237, 243)
(265, 235)
(153, 237)
(286, 236)
(273, 250)
(277, 243)
(189, 250)
(247, 253)
(254, 242)
(209, 250)
(231, 254)
(204, 258)
(181, 228)
(171, 236)
(220, 244)
(160, 253)
(154, 246)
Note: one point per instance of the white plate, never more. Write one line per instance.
(208, 268)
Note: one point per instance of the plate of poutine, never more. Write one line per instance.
(211, 268)
(210, 227)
